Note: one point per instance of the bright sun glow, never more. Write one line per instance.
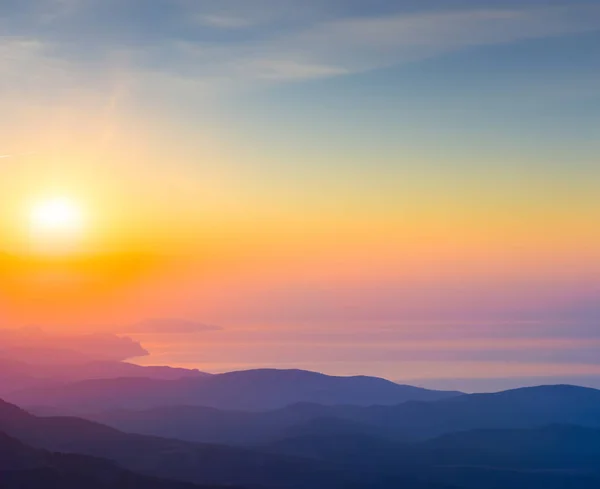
(60, 216)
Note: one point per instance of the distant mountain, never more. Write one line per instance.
(17, 375)
(46, 356)
(252, 390)
(210, 425)
(529, 407)
(32, 358)
(113, 370)
(522, 408)
(23, 467)
(34, 345)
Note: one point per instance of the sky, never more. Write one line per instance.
(398, 188)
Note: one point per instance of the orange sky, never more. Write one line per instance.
(419, 166)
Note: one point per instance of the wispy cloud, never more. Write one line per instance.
(355, 45)
(225, 21)
(288, 69)
(318, 48)
(6, 156)
(358, 44)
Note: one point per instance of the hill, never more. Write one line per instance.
(23, 467)
(187, 462)
(553, 457)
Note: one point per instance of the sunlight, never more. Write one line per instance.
(58, 214)
(56, 223)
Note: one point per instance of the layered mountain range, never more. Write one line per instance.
(280, 429)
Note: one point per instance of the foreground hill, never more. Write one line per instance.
(337, 453)
(553, 448)
(553, 457)
(196, 463)
(252, 390)
(23, 467)
(522, 408)
(202, 464)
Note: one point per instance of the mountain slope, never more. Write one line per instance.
(556, 447)
(15, 373)
(552, 457)
(522, 408)
(210, 425)
(319, 452)
(196, 463)
(245, 390)
(23, 467)
(201, 464)
(558, 456)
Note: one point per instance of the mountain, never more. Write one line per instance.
(315, 451)
(210, 425)
(113, 370)
(251, 390)
(17, 375)
(529, 407)
(491, 478)
(552, 457)
(522, 408)
(352, 449)
(33, 345)
(188, 462)
(172, 459)
(555, 447)
(23, 467)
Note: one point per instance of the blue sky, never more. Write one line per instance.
(288, 41)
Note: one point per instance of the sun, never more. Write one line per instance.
(56, 224)
(60, 215)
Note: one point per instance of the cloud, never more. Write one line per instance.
(189, 41)
(169, 326)
(344, 46)
(356, 45)
(353, 45)
(6, 156)
(224, 21)
(289, 70)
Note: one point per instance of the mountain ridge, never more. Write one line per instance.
(413, 420)
(253, 390)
